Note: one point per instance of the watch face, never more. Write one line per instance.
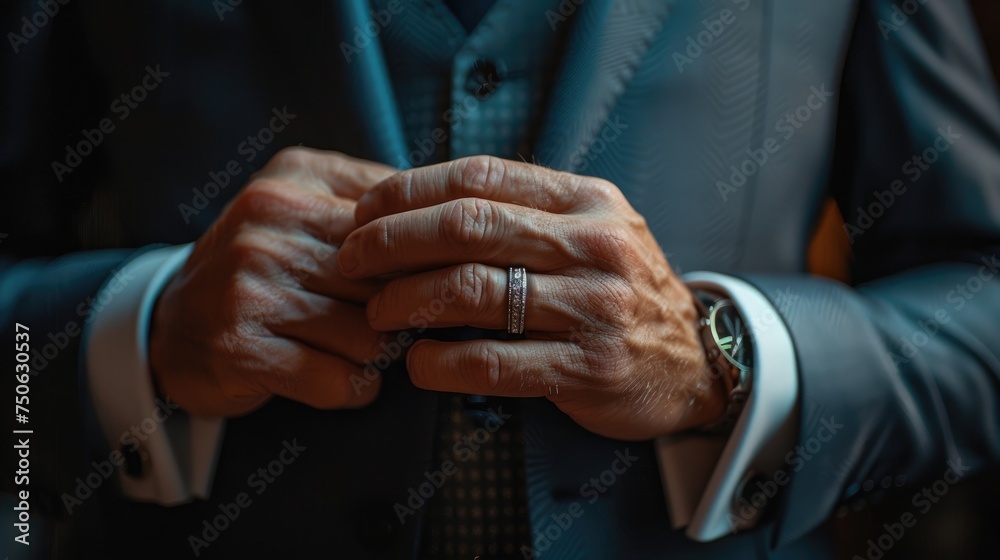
(731, 334)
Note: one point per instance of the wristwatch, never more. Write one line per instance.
(729, 348)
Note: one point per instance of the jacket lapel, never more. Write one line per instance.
(367, 78)
(604, 47)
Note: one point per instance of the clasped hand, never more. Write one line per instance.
(610, 331)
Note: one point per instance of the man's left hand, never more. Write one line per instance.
(610, 331)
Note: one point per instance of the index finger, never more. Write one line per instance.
(483, 177)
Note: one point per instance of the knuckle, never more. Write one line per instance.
(263, 197)
(290, 158)
(478, 175)
(322, 210)
(295, 305)
(487, 366)
(235, 390)
(336, 162)
(636, 222)
(251, 304)
(470, 222)
(604, 191)
(263, 183)
(470, 282)
(249, 256)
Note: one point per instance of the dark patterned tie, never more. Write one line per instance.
(481, 509)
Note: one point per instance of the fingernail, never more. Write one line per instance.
(366, 198)
(371, 310)
(368, 208)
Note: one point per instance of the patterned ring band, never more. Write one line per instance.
(517, 296)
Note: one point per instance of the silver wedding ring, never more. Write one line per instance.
(517, 297)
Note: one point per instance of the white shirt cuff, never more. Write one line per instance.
(704, 476)
(177, 451)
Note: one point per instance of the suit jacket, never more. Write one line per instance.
(728, 132)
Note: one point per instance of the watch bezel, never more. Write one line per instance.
(716, 306)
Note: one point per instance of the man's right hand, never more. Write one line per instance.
(259, 308)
